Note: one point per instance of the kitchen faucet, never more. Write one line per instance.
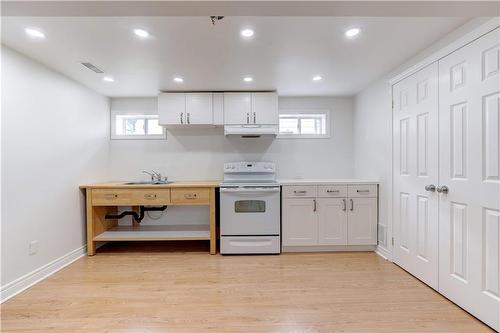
(156, 177)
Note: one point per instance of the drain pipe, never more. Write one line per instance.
(137, 217)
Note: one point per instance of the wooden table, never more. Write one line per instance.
(105, 198)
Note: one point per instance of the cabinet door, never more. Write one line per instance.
(332, 221)
(300, 222)
(172, 108)
(264, 109)
(362, 221)
(199, 108)
(237, 108)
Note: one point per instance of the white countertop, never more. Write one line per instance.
(306, 181)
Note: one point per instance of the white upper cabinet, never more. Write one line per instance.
(199, 108)
(237, 108)
(171, 108)
(250, 108)
(265, 108)
(185, 109)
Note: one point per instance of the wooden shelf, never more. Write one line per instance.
(155, 232)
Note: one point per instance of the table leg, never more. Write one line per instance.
(90, 223)
(213, 233)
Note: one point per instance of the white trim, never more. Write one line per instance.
(384, 253)
(459, 43)
(329, 248)
(19, 285)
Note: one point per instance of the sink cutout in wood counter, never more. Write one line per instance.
(104, 198)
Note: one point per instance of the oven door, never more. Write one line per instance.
(250, 210)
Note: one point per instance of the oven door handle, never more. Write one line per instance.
(249, 189)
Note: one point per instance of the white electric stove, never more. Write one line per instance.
(250, 208)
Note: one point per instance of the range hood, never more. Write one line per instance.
(251, 131)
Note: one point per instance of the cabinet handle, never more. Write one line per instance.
(363, 191)
(188, 118)
(150, 196)
(254, 118)
(248, 118)
(314, 205)
(344, 205)
(110, 196)
(352, 204)
(182, 120)
(299, 192)
(332, 191)
(190, 196)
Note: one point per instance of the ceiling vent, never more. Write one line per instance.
(92, 67)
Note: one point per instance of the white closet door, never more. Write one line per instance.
(469, 158)
(415, 164)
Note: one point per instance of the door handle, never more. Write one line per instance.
(442, 189)
(299, 192)
(352, 205)
(254, 118)
(182, 120)
(430, 188)
(332, 191)
(344, 205)
(314, 205)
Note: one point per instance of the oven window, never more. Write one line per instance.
(250, 206)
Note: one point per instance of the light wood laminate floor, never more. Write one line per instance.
(191, 291)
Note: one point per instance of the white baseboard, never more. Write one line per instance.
(329, 248)
(19, 285)
(384, 253)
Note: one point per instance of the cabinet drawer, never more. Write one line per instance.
(358, 191)
(191, 196)
(151, 197)
(300, 191)
(112, 197)
(333, 191)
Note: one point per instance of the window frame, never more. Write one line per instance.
(326, 112)
(114, 136)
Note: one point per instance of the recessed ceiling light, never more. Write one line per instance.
(35, 33)
(351, 33)
(317, 78)
(248, 79)
(141, 33)
(247, 33)
(108, 79)
(178, 79)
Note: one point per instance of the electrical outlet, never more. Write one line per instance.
(33, 248)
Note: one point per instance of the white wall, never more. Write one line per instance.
(200, 153)
(54, 136)
(372, 128)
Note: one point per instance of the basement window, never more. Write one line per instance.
(306, 124)
(135, 126)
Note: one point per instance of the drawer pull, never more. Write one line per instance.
(110, 196)
(300, 192)
(332, 191)
(150, 196)
(190, 196)
(363, 191)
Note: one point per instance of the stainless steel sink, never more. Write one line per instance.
(148, 183)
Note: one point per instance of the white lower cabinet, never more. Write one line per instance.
(324, 219)
(362, 221)
(301, 226)
(332, 221)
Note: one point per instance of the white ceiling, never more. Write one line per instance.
(284, 54)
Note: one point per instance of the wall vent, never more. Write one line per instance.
(92, 67)
(382, 235)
